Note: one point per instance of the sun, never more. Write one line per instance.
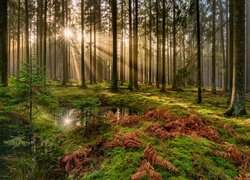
(68, 34)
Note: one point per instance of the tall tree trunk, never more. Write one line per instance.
(213, 49)
(55, 45)
(41, 33)
(83, 83)
(136, 46)
(4, 42)
(150, 44)
(231, 56)
(114, 28)
(174, 47)
(64, 80)
(248, 47)
(90, 49)
(163, 88)
(227, 49)
(145, 50)
(222, 37)
(45, 42)
(158, 47)
(18, 34)
(122, 45)
(130, 47)
(94, 61)
(27, 31)
(237, 106)
(198, 34)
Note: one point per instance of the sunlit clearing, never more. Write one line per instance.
(68, 33)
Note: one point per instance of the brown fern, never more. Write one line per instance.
(76, 160)
(151, 156)
(236, 155)
(244, 177)
(129, 140)
(186, 125)
(146, 170)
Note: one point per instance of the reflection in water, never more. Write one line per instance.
(67, 118)
(70, 118)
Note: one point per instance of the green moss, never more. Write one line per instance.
(194, 156)
(118, 164)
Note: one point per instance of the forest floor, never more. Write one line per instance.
(159, 135)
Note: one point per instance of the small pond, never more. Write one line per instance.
(70, 118)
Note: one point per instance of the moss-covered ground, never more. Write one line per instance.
(193, 157)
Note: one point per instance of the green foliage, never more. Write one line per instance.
(21, 168)
(86, 102)
(28, 82)
(18, 141)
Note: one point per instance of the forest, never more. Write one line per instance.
(125, 89)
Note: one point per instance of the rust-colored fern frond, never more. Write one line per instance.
(186, 125)
(151, 156)
(129, 140)
(235, 154)
(76, 160)
(146, 170)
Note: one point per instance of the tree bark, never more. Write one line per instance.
(4, 42)
(114, 28)
(136, 46)
(130, 47)
(213, 49)
(163, 46)
(83, 83)
(237, 106)
(198, 34)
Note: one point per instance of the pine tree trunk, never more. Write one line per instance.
(114, 27)
(136, 46)
(122, 46)
(94, 60)
(150, 44)
(163, 47)
(130, 47)
(174, 87)
(4, 42)
(158, 47)
(83, 83)
(248, 46)
(237, 106)
(198, 34)
(213, 49)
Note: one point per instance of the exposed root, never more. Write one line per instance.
(129, 140)
(186, 125)
(146, 170)
(151, 156)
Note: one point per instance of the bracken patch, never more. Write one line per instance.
(156, 160)
(186, 125)
(129, 140)
(235, 154)
(146, 170)
(77, 161)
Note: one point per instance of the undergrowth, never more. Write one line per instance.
(190, 150)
